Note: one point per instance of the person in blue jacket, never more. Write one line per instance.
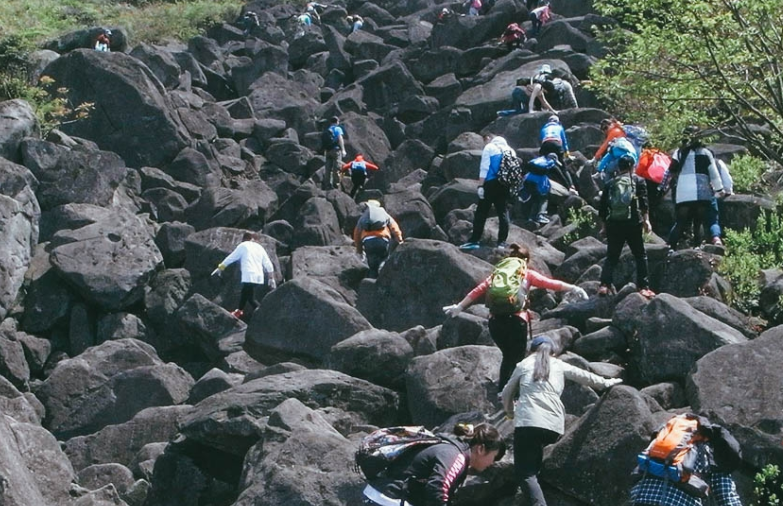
(553, 140)
(535, 187)
(490, 193)
(618, 148)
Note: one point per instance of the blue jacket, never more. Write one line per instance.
(618, 148)
(554, 132)
(491, 157)
(543, 166)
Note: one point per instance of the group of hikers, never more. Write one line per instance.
(304, 20)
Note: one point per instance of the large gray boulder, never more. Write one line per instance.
(109, 384)
(21, 407)
(121, 442)
(35, 470)
(19, 217)
(297, 463)
(739, 386)
(421, 277)
(249, 207)
(672, 336)
(378, 356)
(594, 459)
(132, 114)
(337, 266)
(302, 318)
(70, 176)
(317, 225)
(452, 381)
(110, 262)
(233, 420)
(210, 328)
(18, 121)
(274, 96)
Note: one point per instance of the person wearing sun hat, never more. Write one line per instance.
(372, 235)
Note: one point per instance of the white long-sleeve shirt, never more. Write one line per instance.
(253, 261)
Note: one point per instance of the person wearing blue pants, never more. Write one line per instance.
(713, 214)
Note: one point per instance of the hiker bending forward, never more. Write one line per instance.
(509, 326)
(429, 477)
(539, 415)
(372, 234)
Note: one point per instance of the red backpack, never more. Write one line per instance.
(653, 164)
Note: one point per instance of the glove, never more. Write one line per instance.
(567, 156)
(344, 153)
(480, 192)
(452, 310)
(216, 272)
(591, 161)
(573, 191)
(613, 381)
(579, 293)
(271, 283)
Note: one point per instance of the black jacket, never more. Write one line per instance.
(431, 476)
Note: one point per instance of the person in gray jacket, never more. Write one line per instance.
(538, 413)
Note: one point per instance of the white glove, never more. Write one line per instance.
(591, 161)
(452, 310)
(216, 272)
(480, 192)
(272, 284)
(579, 293)
(613, 381)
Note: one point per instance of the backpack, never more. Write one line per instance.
(382, 447)
(540, 166)
(653, 164)
(637, 135)
(672, 454)
(328, 139)
(374, 218)
(510, 172)
(622, 192)
(507, 292)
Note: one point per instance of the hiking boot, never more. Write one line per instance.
(716, 241)
(237, 313)
(647, 293)
(469, 246)
(502, 245)
(604, 290)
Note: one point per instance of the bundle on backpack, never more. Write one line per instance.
(510, 172)
(672, 454)
(374, 218)
(382, 447)
(622, 193)
(618, 148)
(653, 164)
(507, 292)
(637, 135)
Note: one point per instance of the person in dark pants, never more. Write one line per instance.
(624, 209)
(372, 234)
(539, 416)
(490, 193)
(510, 331)
(358, 167)
(257, 271)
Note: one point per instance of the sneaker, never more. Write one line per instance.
(604, 290)
(469, 246)
(237, 313)
(647, 293)
(502, 245)
(716, 241)
(542, 219)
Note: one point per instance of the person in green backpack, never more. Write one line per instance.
(505, 292)
(624, 210)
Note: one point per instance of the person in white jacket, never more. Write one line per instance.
(538, 413)
(256, 267)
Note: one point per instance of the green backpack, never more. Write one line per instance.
(622, 193)
(507, 292)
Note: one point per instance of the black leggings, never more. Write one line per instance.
(358, 178)
(248, 295)
(694, 212)
(510, 335)
(495, 194)
(529, 443)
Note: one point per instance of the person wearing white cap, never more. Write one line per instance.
(372, 234)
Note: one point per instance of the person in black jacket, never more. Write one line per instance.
(624, 209)
(431, 476)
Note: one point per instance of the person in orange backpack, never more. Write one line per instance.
(612, 129)
(358, 170)
(372, 234)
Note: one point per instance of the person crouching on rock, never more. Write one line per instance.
(372, 234)
(431, 476)
(505, 292)
(103, 42)
(256, 269)
(539, 416)
(358, 169)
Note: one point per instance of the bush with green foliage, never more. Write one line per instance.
(748, 252)
(746, 172)
(585, 220)
(768, 487)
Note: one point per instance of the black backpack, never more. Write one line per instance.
(384, 446)
(328, 140)
(510, 172)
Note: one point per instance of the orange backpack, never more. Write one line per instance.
(652, 164)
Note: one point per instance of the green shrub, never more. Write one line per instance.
(749, 251)
(585, 220)
(746, 173)
(768, 487)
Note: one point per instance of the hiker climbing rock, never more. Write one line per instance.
(553, 92)
(357, 169)
(539, 17)
(249, 22)
(103, 41)
(257, 271)
(536, 186)
(532, 399)
(372, 235)
(505, 291)
(513, 36)
(333, 148)
(356, 22)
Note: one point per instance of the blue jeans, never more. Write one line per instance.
(713, 218)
